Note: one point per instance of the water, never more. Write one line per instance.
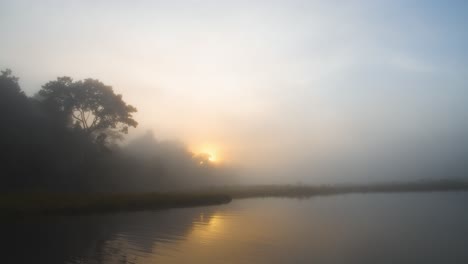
(355, 228)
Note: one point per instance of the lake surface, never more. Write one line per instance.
(354, 228)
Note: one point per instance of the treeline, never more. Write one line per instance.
(306, 191)
(65, 139)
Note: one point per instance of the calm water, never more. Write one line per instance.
(357, 228)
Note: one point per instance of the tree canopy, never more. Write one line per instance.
(89, 105)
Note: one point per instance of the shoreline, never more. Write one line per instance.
(307, 191)
(18, 204)
(76, 204)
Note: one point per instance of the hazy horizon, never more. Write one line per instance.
(297, 91)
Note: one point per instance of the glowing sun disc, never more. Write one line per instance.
(212, 158)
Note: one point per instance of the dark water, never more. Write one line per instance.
(357, 228)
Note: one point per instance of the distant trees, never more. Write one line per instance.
(202, 159)
(89, 105)
(20, 135)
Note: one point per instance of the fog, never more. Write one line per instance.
(276, 91)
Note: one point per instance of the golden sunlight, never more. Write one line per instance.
(209, 152)
(212, 157)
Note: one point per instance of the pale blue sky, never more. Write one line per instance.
(273, 86)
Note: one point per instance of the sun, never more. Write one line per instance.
(212, 157)
(210, 153)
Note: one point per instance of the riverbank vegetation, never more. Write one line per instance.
(26, 204)
(44, 204)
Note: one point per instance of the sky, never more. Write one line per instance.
(288, 91)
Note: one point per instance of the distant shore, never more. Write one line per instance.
(48, 203)
(305, 191)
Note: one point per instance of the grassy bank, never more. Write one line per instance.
(20, 204)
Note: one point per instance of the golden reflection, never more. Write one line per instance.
(215, 224)
(208, 225)
(201, 244)
(236, 236)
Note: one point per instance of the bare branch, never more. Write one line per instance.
(95, 122)
(77, 118)
(83, 118)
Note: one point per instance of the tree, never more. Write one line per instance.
(90, 106)
(14, 104)
(9, 84)
(11, 96)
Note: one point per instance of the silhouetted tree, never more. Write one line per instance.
(90, 106)
(13, 100)
(9, 84)
(17, 120)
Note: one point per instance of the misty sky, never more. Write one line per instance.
(286, 90)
